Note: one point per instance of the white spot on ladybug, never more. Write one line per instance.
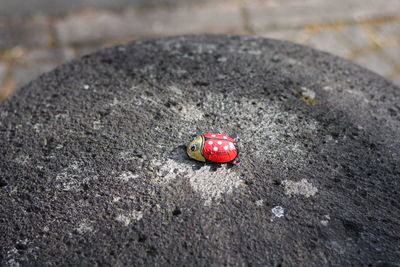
(213, 135)
(210, 142)
(226, 147)
(215, 148)
(219, 143)
(225, 137)
(231, 145)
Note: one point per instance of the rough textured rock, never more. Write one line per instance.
(92, 170)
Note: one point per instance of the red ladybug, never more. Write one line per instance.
(211, 147)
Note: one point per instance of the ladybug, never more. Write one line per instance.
(212, 147)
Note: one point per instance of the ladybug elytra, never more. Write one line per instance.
(211, 147)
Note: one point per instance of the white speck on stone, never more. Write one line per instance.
(22, 159)
(307, 92)
(329, 138)
(259, 202)
(116, 199)
(326, 220)
(3, 114)
(222, 59)
(299, 188)
(180, 71)
(327, 88)
(360, 96)
(127, 218)
(15, 257)
(84, 227)
(61, 116)
(131, 154)
(127, 176)
(86, 87)
(12, 256)
(115, 102)
(70, 179)
(278, 211)
(96, 125)
(46, 229)
(175, 90)
(75, 166)
(37, 127)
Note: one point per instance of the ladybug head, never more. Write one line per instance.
(194, 148)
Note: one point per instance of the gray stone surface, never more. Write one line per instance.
(356, 36)
(376, 62)
(219, 17)
(329, 42)
(3, 69)
(29, 33)
(37, 62)
(388, 31)
(393, 54)
(18, 8)
(92, 171)
(292, 35)
(24, 74)
(289, 13)
(396, 79)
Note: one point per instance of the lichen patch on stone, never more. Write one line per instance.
(306, 95)
(129, 217)
(84, 227)
(210, 184)
(302, 187)
(278, 211)
(70, 178)
(127, 176)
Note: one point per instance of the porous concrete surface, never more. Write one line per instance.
(92, 168)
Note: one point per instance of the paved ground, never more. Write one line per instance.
(36, 39)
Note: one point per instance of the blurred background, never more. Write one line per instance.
(37, 35)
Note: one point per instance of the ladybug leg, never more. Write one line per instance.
(234, 162)
(233, 136)
(215, 167)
